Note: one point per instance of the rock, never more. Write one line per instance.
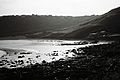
(21, 56)
(2, 53)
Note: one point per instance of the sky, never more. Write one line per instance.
(57, 7)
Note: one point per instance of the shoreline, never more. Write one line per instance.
(37, 57)
(99, 62)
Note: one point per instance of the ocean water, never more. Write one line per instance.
(42, 46)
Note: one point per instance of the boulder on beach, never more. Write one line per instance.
(2, 53)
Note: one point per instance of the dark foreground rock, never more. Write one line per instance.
(100, 62)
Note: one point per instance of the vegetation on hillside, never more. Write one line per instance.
(40, 26)
(108, 22)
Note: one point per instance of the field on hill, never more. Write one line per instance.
(40, 26)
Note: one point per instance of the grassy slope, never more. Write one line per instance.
(107, 22)
(44, 25)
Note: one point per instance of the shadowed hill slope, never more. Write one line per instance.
(108, 22)
(39, 25)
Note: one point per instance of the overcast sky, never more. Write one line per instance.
(57, 7)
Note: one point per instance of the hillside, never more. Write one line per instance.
(35, 26)
(105, 26)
